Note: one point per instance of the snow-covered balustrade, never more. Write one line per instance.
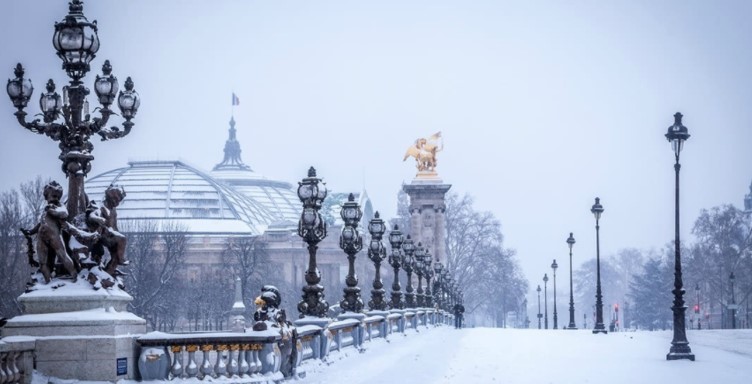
(16, 359)
(411, 320)
(395, 323)
(166, 356)
(345, 333)
(310, 344)
(376, 326)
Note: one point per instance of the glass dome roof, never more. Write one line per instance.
(173, 191)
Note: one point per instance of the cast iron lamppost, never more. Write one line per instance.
(677, 134)
(545, 299)
(732, 306)
(697, 306)
(76, 42)
(428, 272)
(312, 228)
(572, 325)
(420, 258)
(597, 210)
(556, 322)
(408, 262)
(438, 270)
(351, 242)
(377, 254)
(395, 259)
(539, 307)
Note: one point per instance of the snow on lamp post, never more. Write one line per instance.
(351, 242)
(677, 134)
(395, 260)
(312, 228)
(377, 254)
(408, 264)
(570, 243)
(76, 42)
(597, 210)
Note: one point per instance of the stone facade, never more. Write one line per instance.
(427, 207)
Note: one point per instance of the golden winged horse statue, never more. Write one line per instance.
(424, 152)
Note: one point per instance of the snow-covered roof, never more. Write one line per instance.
(175, 192)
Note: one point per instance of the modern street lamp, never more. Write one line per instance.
(377, 254)
(539, 307)
(420, 258)
(732, 306)
(545, 299)
(408, 263)
(677, 134)
(351, 242)
(395, 260)
(572, 325)
(597, 210)
(312, 228)
(76, 42)
(554, 266)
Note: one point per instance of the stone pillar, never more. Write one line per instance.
(427, 208)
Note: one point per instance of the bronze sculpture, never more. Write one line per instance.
(268, 315)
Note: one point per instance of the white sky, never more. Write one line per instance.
(543, 105)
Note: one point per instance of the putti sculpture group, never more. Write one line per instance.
(81, 234)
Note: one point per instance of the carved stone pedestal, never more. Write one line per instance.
(80, 333)
(427, 208)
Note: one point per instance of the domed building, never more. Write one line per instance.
(231, 201)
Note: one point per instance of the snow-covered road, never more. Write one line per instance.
(491, 355)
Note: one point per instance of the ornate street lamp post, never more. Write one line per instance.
(570, 243)
(312, 228)
(395, 260)
(597, 210)
(556, 322)
(377, 254)
(732, 306)
(351, 242)
(438, 270)
(428, 273)
(408, 263)
(420, 258)
(677, 134)
(545, 299)
(76, 42)
(539, 307)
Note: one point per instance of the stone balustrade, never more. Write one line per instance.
(16, 359)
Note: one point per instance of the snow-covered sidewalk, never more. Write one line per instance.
(489, 355)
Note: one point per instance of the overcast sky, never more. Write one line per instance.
(543, 105)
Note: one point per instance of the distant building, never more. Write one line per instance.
(230, 201)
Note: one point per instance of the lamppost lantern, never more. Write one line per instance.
(376, 227)
(408, 263)
(677, 134)
(19, 89)
(351, 212)
(106, 86)
(597, 209)
(76, 41)
(377, 254)
(570, 241)
(50, 103)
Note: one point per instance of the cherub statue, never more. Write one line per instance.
(50, 245)
(103, 220)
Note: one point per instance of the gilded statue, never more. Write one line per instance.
(424, 152)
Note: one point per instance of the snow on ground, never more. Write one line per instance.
(492, 355)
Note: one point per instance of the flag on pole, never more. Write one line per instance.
(235, 100)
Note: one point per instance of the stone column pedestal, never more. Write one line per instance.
(427, 206)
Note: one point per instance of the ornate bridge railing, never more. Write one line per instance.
(16, 360)
(206, 356)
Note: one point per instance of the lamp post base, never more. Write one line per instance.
(683, 355)
(571, 327)
(600, 328)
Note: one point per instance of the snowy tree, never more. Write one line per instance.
(650, 292)
(246, 258)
